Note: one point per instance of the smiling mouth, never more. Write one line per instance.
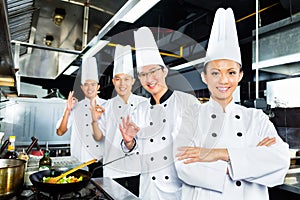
(151, 85)
(223, 89)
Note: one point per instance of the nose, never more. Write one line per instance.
(223, 79)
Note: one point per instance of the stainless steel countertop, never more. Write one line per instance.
(292, 181)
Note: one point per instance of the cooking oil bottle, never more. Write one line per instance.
(11, 151)
(45, 162)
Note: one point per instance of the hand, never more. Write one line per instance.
(71, 102)
(128, 130)
(96, 110)
(197, 154)
(267, 141)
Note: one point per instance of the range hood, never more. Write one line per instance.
(7, 77)
(279, 47)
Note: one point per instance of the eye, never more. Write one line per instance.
(232, 72)
(152, 72)
(214, 73)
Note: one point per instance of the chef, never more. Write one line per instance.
(232, 152)
(78, 115)
(125, 171)
(155, 123)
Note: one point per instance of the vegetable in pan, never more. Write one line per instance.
(69, 179)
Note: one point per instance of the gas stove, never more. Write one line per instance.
(97, 189)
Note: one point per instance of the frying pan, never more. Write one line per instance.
(37, 181)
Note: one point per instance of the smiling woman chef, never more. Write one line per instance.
(224, 158)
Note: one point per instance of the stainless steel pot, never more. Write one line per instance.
(11, 177)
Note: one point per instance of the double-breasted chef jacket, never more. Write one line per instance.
(159, 125)
(115, 110)
(251, 168)
(82, 143)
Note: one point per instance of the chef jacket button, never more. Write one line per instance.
(164, 120)
(163, 138)
(238, 183)
(166, 177)
(97, 145)
(86, 124)
(151, 123)
(165, 157)
(237, 116)
(151, 158)
(153, 178)
(131, 104)
(214, 134)
(165, 105)
(87, 135)
(151, 107)
(213, 116)
(87, 146)
(239, 134)
(85, 105)
(120, 117)
(151, 140)
(120, 106)
(86, 114)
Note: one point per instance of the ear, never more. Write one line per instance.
(133, 81)
(81, 86)
(165, 70)
(241, 75)
(98, 86)
(113, 81)
(203, 77)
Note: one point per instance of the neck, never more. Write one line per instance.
(157, 96)
(125, 98)
(223, 103)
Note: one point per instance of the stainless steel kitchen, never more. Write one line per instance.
(119, 99)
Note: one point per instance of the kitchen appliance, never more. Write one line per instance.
(11, 177)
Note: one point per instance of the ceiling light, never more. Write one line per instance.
(188, 64)
(59, 15)
(48, 40)
(95, 49)
(71, 69)
(138, 10)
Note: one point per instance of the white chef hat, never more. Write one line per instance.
(89, 70)
(147, 52)
(123, 60)
(223, 42)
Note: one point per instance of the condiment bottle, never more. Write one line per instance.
(11, 151)
(23, 156)
(45, 162)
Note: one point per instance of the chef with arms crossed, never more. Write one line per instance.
(232, 152)
(155, 123)
(126, 170)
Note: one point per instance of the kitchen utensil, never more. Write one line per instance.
(11, 177)
(55, 179)
(54, 189)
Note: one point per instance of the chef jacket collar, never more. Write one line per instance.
(218, 108)
(164, 97)
(128, 101)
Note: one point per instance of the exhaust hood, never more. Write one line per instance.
(279, 47)
(7, 77)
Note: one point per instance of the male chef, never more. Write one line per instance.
(125, 171)
(78, 115)
(155, 123)
(229, 154)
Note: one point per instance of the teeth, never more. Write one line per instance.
(222, 89)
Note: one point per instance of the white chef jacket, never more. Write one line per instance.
(159, 125)
(115, 109)
(82, 143)
(251, 169)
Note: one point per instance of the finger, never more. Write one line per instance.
(263, 141)
(270, 142)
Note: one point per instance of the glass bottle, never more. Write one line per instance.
(11, 151)
(45, 162)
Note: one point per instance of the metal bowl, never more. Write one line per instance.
(11, 177)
